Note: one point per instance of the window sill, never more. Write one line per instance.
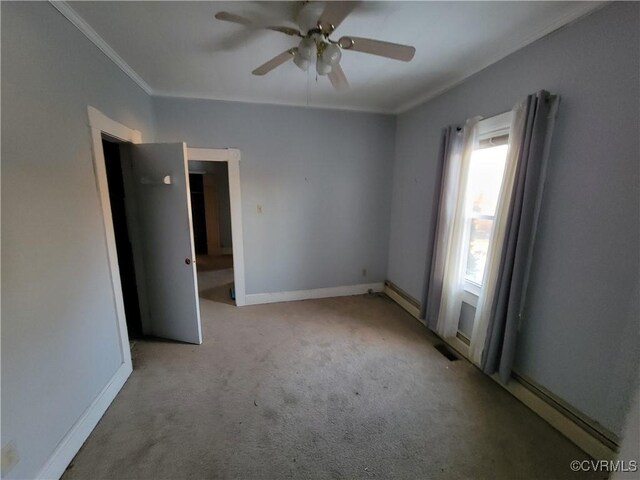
(470, 294)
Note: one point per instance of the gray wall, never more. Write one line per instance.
(580, 335)
(59, 336)
(321, 177)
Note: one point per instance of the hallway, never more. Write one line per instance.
(215, 278)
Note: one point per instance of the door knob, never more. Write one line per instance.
(187, 261)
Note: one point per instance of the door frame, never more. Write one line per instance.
(101, 125)
(232, 157)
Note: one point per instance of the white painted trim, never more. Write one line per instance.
(101, 124)
(192, 246)
(100, 121)
(65, 9)
(344, 291)
(73, 440)
(70, 14)
(554, 417)
(213, 154)
(279, 103)
(580, 10)
(470, 298)
(410, 308)
(459, 346)
(232, 157)
(496, 123)
(573, 431)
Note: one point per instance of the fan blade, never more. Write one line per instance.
(377, 47)
(338, 78)
(334, 14)
(274, 62)
(233, 18)
(286, 30)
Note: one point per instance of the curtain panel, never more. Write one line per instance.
(450, 141)
(454, 156)
(508, 302)
(503, 294)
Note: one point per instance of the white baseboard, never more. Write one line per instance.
(73, 440)
(412, 309)
(558, 420)
(344, 291)
(574, 432)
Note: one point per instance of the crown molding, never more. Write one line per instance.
(70, 14)
(277, 103)
(582, 9)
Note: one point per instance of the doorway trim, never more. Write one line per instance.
(101, 125)
(232, 157)
(70, 444)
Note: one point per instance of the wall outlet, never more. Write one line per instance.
(10, 457)
(259, 208)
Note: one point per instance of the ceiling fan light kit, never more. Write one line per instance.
(315, 49)
(319, 22)
(323, 68)
(308, 48)
(301, 62)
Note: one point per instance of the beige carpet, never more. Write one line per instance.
(347, 387)
(213, 262)
(215, 284)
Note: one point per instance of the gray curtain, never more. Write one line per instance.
(449, 144)
(509, 300)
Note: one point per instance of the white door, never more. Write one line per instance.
(165, 234)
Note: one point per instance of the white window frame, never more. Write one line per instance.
(489, 127)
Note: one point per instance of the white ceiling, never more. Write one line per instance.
(179, 49)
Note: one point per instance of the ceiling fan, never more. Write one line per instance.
(316, 26)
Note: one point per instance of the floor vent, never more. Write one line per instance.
(446, 351)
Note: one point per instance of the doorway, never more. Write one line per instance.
(157, 210)
(121, 220)
(162, 237)
(211, 217)
(198, 158)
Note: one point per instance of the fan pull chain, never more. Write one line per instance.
(307, 88)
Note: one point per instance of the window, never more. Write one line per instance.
(486, 170)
